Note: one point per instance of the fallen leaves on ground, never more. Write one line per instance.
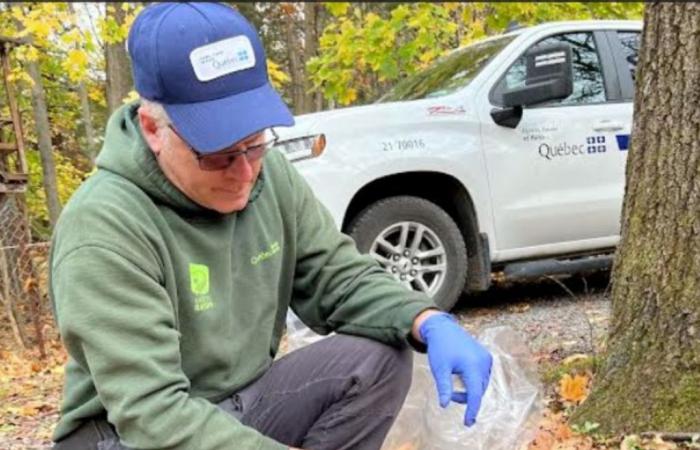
(30, 391)
(552, 429)
(573, 389)
(519, 308)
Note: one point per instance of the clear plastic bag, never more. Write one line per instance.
(510, 409)
(298, 334)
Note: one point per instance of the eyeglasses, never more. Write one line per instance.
(223, 160)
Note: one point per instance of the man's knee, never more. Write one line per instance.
(387, 363)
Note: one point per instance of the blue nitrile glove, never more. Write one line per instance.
(451, 350)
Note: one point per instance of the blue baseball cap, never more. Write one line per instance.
(205, 63)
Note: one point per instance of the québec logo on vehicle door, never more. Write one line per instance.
(594, 145)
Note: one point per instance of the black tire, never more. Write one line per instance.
(392, 215)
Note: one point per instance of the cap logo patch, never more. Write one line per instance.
(222, 58)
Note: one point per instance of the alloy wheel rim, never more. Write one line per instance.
(413, 254)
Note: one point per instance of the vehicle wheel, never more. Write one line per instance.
(417, 242)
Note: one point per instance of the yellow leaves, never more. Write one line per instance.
(56, 41)
(573, 389)
(39, 29)
(72, 37)
(130, 97)
(277, 76)
(17, 14)
(337, 9)
(77, 58)
(20, 76)
(400, 13)
(113, 32)
(129, 19)
(31, 54)
(96, 94)
(69, 177)
(41, 21)
(427, 56)
(360, 50)
(451, 6)
(347, 97)
(75, 64)
(371, 18)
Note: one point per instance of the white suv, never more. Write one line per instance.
(507, 154)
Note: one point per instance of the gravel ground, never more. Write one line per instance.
(558, 317)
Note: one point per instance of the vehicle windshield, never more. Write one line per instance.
(449, 73)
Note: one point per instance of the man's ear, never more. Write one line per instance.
(151, 132)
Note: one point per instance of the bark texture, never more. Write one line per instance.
(118, 68)
(295, 54)
(90, 149)
(312, 20)
(651, 378)
(43, 134)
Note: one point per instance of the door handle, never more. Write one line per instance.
(608, 125)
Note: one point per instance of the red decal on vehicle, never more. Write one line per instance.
(443, 110)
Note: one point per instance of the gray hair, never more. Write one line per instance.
(156, 111)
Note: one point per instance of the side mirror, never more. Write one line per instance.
(549, 76)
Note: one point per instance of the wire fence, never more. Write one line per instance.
(23, 273)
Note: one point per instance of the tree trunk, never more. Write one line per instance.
(651, 378)
(43, 132)
(90, 149)
(294, 52)
(314, 100)
(118, 69)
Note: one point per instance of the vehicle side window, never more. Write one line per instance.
(589, 86)
(630, 41)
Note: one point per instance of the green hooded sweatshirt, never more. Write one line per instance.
(166, 308)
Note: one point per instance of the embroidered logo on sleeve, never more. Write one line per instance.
(199, 284)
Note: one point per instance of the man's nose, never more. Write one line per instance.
(241, 169)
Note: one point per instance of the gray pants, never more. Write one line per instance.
(342, 392)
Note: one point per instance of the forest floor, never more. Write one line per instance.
(563, 321)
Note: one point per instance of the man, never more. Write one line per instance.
(171, 316)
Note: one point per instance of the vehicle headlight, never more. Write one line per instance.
(304, 147)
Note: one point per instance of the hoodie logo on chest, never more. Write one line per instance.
(267, 254)
(199, 284)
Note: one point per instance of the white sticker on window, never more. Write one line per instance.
(549, 59)
(222, 58)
